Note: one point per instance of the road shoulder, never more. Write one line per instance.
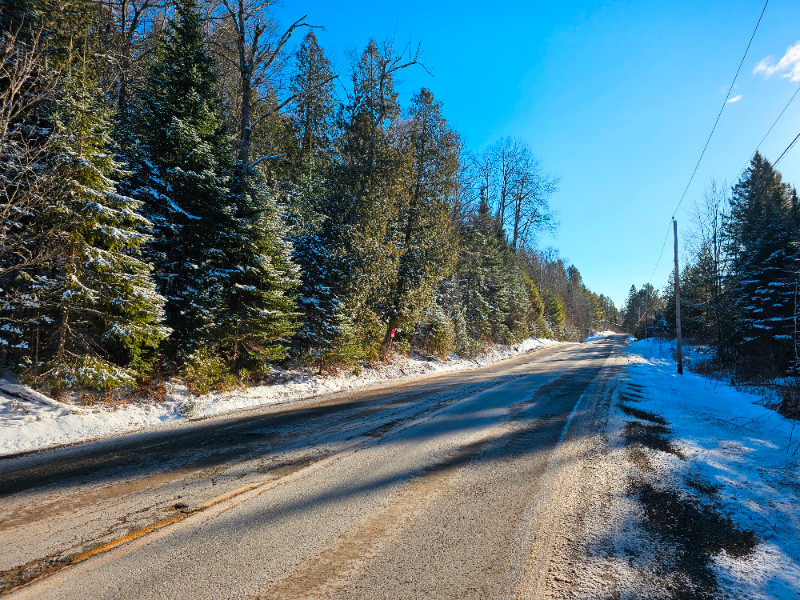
(689, 495)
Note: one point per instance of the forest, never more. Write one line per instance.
(188, 188)
(739, 290)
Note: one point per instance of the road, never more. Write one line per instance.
(447, 487)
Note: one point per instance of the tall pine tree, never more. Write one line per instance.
(763, 234)
(93, 311)
(426, 242)
(314, 240)
(182, 166)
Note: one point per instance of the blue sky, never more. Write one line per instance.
(615, 98)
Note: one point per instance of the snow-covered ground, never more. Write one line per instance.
(31, 421)
(599, 335)
(748, 454)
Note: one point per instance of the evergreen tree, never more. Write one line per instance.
(218, 250)
(608, 309)
(426, 245)
(255, 317)
(367, 188)
(697, 300)
(631, 309)
(93, 312)
(763, 235)
(500, 302)
(182, 165)
(554, 313)
(322, 333)
(313, 109)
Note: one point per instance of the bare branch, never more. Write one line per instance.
(290, 99)
(255, 163)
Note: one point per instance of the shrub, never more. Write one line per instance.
(438, 335)
(205, 371)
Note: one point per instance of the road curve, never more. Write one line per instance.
(447, 487)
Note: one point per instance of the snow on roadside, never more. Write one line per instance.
(600, 335)
(31, 421)
(749, 453)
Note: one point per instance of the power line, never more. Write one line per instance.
(789, 147)
(775, 164)
(710, 135)
(719, 115)
(771, 127)
(660, 254)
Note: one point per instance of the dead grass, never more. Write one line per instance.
(706, 368)
(642, 414)
(639, 458)
(696, 532)
(702, 487)
(654, 437)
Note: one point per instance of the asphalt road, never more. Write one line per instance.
(446, 487)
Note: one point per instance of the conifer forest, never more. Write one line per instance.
(739, 289)
(282, 315)
(190, 189)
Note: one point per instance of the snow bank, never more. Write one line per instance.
(600, 335)
(30, 420)
(751, 454)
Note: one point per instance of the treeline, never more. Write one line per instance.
(182, 194)
(740, 292)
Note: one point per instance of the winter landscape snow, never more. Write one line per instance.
(744, 454)
(31, 421)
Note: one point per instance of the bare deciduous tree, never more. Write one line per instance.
(517, 189)
(257, 55)
(23, 145)
(130, 25)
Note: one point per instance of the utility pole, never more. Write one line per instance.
(646, 300)
(678, 302)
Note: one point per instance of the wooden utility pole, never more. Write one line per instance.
(679, 356)
(646, 300)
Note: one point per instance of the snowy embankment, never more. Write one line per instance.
(600, 335)
(745, 456)
(31, 421)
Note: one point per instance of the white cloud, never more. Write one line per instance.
(788, 66)
(735, 99)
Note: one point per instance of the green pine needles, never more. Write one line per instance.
(359, 227)
(90, 315)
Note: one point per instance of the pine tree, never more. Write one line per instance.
(313, 110)
(93, 311)
(367, 186)
(554, 313)
(500, 303)
(310, 158)
(608, 309)
(255, 317)
(632, 308)
(763, 244)
(182, 164)
(426, 245)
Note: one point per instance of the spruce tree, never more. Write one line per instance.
(255, 317)
(93, 311)
(498, 303)
(314, 239)
(182, 165)
(763, 244)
